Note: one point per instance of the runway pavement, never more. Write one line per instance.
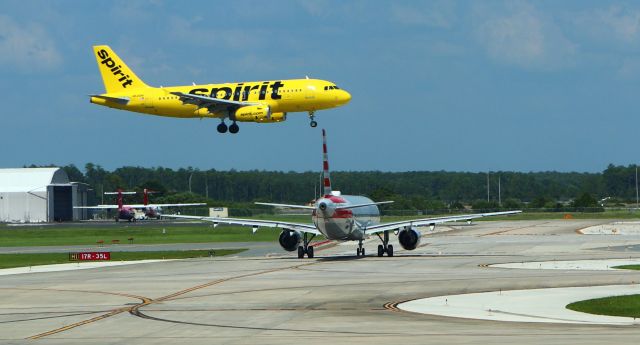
(336, 298)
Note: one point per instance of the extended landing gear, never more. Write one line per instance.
(360, 250)
(233, 129)
(306, 248)
(313, 123)
(385, 247)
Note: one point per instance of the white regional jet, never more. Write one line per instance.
(343, 218)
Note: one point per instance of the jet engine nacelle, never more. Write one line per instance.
(275, 117)
(409, 238)
(252, 113)
(290, 240)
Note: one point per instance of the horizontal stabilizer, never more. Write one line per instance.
(363, 205)
(119, 100)
(286, 205)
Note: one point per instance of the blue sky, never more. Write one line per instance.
(436, 85)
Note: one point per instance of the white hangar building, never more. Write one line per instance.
(40, 195)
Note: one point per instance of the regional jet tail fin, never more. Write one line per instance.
(116, 75)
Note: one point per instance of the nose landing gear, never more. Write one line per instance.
(313, 123)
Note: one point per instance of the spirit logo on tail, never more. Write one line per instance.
(259, 101)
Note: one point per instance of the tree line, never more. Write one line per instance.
(410, 190)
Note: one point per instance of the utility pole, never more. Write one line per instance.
(499, 193)
(636, 186)
(487, 186)
(206, 185)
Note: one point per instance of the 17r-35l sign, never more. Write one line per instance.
(90, 256)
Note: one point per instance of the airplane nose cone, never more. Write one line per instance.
(345, 97)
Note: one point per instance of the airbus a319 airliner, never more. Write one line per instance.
(257, 101)
(344, 218)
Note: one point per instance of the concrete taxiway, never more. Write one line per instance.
(336, 298)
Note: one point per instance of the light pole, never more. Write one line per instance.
(487, 186)
(190, 176)
(499, 193)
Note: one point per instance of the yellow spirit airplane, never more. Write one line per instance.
(257, 101)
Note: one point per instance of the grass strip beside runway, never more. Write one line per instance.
(628, 267)
(627, 306)
(36, 259)
(106, 234)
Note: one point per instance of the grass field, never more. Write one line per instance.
(628, 267)
(22, 260)
(628, 306)
(141, 233)
(151, 232)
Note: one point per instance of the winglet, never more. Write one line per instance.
(325, 165)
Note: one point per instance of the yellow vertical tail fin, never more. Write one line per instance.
(116, 75)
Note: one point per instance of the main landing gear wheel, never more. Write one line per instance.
(313, 124)
(360, 250)
(234, 128)
(306, 248)
(385, 247)
(222, 127)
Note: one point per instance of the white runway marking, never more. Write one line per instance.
(536, 305)
(616, 228)
(70, 266)
(592, 265)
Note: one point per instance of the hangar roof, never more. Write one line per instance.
(30, 179)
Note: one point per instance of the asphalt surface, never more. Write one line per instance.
(275, 298)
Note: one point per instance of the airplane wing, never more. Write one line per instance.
(255, 224)
(98, 207)
(370, 230)
(165, 205)
(213, 104)
(286, 205)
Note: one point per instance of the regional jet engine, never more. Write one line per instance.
(290, 240)
(409, 238)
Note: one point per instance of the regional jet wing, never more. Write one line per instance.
(213, 104)
(370, 230)
(98, 207)
(255, 224)
(165, 205)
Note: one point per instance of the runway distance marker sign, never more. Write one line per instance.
(90, 256)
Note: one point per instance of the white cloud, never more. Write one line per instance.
(629, 69)
(26, 46)
(437, 15)
(199, 32)
(621, 24)
(523, 37)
